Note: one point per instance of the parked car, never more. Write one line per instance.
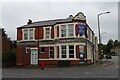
(108, 57)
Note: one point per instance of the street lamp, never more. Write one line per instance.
(100, 35)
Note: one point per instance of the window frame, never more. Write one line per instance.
(41, 50)
(28, 34)
(50, 53)
(71, 29)
(71, 49)
(49, 33)
(65, 27)
(65, 51)
(27, 50)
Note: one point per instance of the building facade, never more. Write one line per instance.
(57, 40)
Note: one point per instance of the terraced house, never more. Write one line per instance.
(53, 41)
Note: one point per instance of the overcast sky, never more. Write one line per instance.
(16, 14)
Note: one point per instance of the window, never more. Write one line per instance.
(47, 33)
(31, 34)
(63, 30)
(27, 49)
(28, 34)
(25, 34)
(71, 29)
(50, 52)
(42, 50)
(63, 48)
(71, 51)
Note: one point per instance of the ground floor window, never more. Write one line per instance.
(42, 49)
(71, 51)
(63, 50)
(50, 52)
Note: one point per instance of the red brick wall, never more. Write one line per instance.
(44, 55)
(36, 33)
(74, 62)
(52, 32)
(41, 33)
(19, 56)
(77, 51)
(19, 34)
(76, 29)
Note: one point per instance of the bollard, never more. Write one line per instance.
(42, 65)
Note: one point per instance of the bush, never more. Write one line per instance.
(9, 58)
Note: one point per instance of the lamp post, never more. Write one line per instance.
(100, 55)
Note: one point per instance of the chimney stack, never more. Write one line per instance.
(29, 21)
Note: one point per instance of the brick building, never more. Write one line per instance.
(57, 40)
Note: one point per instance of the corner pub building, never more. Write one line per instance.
(54, 41)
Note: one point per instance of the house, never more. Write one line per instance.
(116, 50)
(53, 41)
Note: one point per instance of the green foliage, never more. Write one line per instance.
(106, 48)
(9, 55)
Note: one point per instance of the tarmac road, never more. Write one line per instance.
(109, 69)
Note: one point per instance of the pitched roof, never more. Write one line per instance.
(79, 16)
(48, 22)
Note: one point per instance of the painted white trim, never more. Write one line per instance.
(47, 45)
(60, 59)
(33, 48)
(26, 49)
(25, 40)
(55, 52)
(28, 32)
(31, 57)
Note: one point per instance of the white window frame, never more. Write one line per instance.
(73, 30)
(67, 33)
(45, 33)
(52, 52)
(41, 50)
(72, 49)
(27, 49)
(61, 29)
(28, 32)
(61, 51)
(24, 33)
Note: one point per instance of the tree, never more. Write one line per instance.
(116, 43)
(8, 56)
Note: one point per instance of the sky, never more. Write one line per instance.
(15, 14)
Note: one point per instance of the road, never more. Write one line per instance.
(108, 69)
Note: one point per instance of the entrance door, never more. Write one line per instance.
(34, 56)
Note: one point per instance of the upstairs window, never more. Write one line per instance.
(71, 29)
(31, 34)
(28, 34)
(47, 33)
(63, 30)
(25, 34)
